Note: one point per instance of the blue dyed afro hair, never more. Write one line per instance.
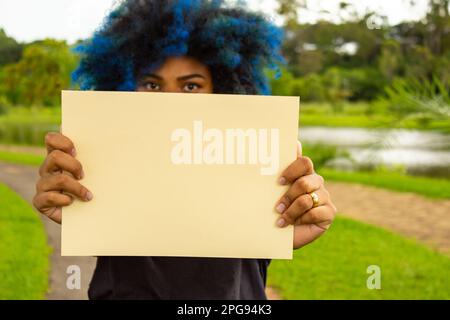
(138, 35)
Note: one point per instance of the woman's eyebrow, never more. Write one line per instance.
(190, 76)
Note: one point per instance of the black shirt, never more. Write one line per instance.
(178, 278)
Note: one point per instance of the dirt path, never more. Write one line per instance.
(411, 215)
(22, 180)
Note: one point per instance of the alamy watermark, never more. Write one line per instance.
(227, 147)
(73, 281)
(374, 280)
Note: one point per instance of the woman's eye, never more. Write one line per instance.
(151, 86)
(191, 87)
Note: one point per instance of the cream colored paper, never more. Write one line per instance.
(145, 205)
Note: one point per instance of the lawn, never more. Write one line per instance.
(355, 115)
(28, 126)
(430, 187)
(24, 258)
(21, 158)
(335, 267)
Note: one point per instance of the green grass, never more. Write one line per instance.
(334, 267)
(21, 158)
(337, 120)
(430, 187)
(28, 126)
(354, 115)
(24, 258)
(361, 121)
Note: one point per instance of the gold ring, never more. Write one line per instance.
(315, 199)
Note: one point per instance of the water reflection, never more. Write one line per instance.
(419, 151)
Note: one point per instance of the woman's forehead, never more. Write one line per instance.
(182, 65)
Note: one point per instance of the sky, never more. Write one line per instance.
(28, 20)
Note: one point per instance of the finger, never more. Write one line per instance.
(300, 167)
(301, 205)
(51, 199)
(54, 214)
(306, 233)
(57, 141)
(299, 149)
(48, 202)
(321, 216)
(303, 185)
(65, 183)
(57, 160)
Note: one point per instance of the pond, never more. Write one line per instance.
(420, 152)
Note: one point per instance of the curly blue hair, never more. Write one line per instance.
(137, 36)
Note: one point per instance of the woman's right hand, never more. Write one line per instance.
(59, 174)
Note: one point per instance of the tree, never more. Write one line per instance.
(289, 9)
(419, 63)
(41, 74)
(10, 50)
(438, 22)
(390, 60)
(355, 58)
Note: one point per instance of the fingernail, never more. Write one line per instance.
(281, 222)
(73, 152)
(89, 196)
(81, 174)
(282, 181)
(281, 207)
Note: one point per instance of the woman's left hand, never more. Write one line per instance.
(297, 207)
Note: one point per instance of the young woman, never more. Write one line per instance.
(191, 46)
